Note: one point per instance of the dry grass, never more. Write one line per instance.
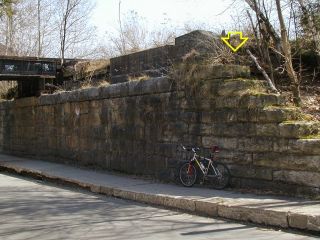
(310, 101)
(90, 84)
(103, 84)
(185, 74)
(212, 52)
(142, 77)
(7, 89)
(87, 69)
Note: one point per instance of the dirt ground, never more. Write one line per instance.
(310, 100)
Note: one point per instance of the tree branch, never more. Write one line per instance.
(270, 83)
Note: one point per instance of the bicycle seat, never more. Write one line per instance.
(215, 149)
(190, 149)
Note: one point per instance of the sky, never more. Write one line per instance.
(157, 13)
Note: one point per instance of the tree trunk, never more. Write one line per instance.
(63, 33)
(275, 37)
(39, 30)
(286, 48)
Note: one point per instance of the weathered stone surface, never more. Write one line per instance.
(299, 129)
(252, 101)
(125, 194)
(240, 86)
(267, 217)
(222, 72)
(267, 130)
(308, 146)
(235, 157)
(206, 207)
(287, 161)
(313, 223)
(298, 177)
(89, 93)
(255, 144)
(95, 188)
(5, 104)
(250, 172)
(150, 198)
(179, 203)
(46, 99)
(106, 190)
(25, 102)
(164, 84)
(115, 90)
(73, 96)
(304, 221)
(135, 127)
(225, 143)
(297, 220)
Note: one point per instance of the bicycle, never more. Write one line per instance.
(216, 172)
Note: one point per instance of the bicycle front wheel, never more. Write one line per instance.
(188, 174)
(218, 175)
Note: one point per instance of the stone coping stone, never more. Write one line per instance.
(290, 213)
(4, 104)
(126, 89)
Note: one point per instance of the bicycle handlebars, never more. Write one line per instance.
(193, 149)
(214, 149)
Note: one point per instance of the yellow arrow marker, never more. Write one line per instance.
(226, 40)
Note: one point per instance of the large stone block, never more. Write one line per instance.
(211, 72)
(224, 143)
(235, 157)
(25, 102)
(278, 114)
(261, 216)
(304, 221)
(298, 177)
(207, 207)
(260, 100)
(250, 172)
(240, 86)
(255, 144)
(114, 90)
(308, 146)
(299, 129)
(89, 93)
(267, 130)
(287, 161)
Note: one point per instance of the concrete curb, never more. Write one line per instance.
(216, 207)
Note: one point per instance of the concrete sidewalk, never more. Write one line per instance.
(268, 210)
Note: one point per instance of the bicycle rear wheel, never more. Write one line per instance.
(188, 174)
(218, 177)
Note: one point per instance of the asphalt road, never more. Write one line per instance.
(37, 210)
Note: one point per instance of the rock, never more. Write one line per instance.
(298, 177)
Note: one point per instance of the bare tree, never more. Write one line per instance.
(6, 9)
(122, 41)
(286, 48)
(309, 25)
(30, 33)
(266, 21)
(66, 15)
(134, 35)
(39, 27)
(74, 27)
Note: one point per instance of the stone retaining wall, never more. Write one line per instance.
(135, 127)
(156, 62)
